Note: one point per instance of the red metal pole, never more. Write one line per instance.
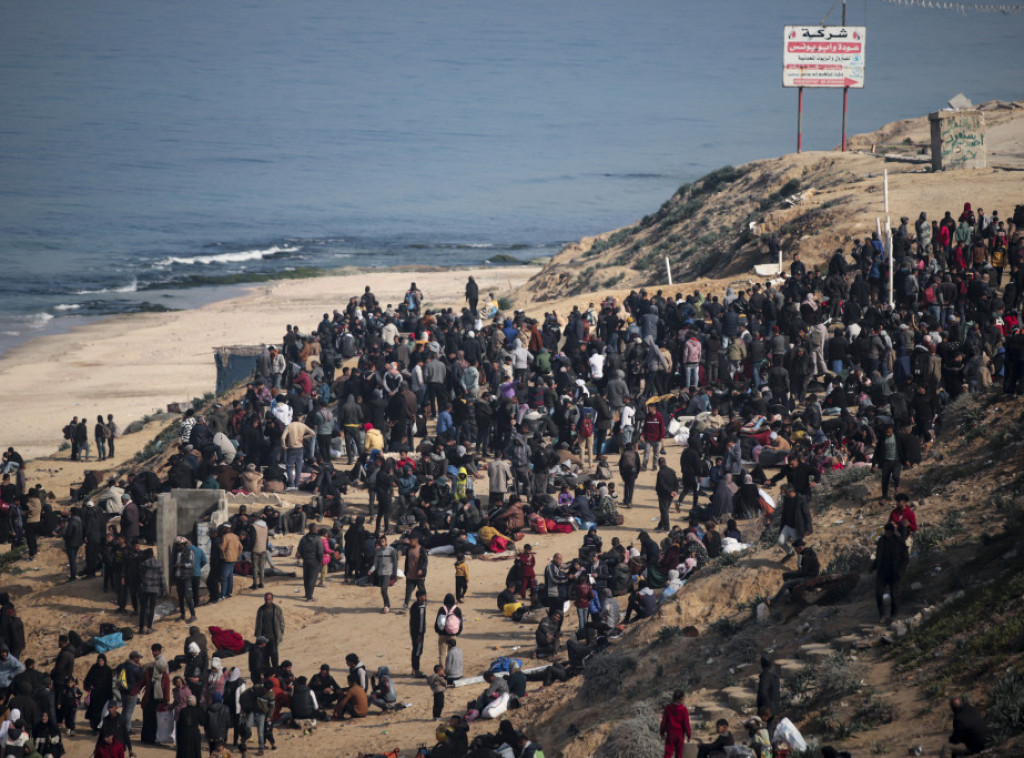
(846, 91)
(799, 116)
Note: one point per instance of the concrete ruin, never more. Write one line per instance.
(958, 140)
(182, 513)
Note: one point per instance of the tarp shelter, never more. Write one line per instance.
(235, 363)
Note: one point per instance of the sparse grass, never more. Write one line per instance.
(726, 627)
(873, 712)
(930, 538)
(669, 633)
(966, 616)
(1006, 709)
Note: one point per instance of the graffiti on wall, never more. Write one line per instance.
(963, 141)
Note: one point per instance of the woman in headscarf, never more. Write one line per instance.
(46, 736)
(721, 502)
(99, 683)
(5, 727)
(187, 734)
(155, 698)
(215, 680)
(695, 549)
(355, 539)
(746, 502)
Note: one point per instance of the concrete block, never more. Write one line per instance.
(815, 651)
(958, 140)
(178, 511)
(739, 698)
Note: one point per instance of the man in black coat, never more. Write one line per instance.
(890, 561)
(418, 629)
(795, 518)
(809, 568)
(769, 691)
(666, 486)
(311, 553)
(970, 734)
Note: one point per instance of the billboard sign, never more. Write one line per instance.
(823, 56)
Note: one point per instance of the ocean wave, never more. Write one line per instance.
(67, 307)
(132, 286)
(237, 257)
(34, 320)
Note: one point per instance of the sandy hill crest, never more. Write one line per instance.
(715, 229)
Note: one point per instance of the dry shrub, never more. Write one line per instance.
(636, 735)
(602, 678)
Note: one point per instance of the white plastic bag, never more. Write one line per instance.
(786, 731)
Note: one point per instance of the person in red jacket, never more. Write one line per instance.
(675, 726)
(903, 517)
(653, 433)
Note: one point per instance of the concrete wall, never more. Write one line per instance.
(958, 140)
(176, 515)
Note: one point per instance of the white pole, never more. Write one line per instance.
(888, 242)
(885, 188)
(668, 270)
(780, 257)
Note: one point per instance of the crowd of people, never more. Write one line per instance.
(422, 409)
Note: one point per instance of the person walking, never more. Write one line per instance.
(74, 538)
(270, 625)
(151, 586)
(675, 726)
(184, 565)
(260, 533)
(384, 568)
(629, 470)
(666, 486)
(448, 625)
(418, 629)
(310, 553)
(415, 569)
(653, 433)
(293, 439)
(231, 552)
(890, 562)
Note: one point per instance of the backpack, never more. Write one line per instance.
(247, 700)
(447, 622)
(586, 427)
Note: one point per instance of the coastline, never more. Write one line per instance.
(131, 364)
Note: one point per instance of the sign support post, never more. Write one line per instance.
(799, 116)
(846, 93)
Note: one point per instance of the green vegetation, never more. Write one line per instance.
(504, 304)
(963, 620)
(9, 560)
(930, 538)
(1006, 712)
(726, 627)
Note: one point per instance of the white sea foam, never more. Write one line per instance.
(239, 257)
(35, 320)
(132, 286)
(67, 307)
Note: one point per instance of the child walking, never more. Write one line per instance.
(67, 705)
(438, 683)
(461, 578)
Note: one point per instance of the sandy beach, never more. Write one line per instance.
(134, 365)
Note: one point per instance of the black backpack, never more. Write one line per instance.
(248, 700)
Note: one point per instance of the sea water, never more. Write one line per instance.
(152, 154)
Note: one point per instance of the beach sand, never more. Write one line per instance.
(133, 365)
